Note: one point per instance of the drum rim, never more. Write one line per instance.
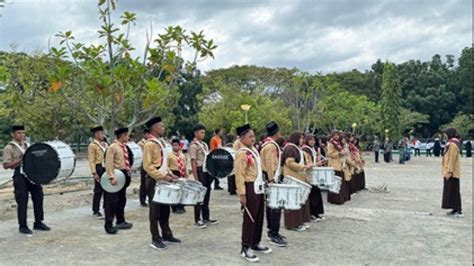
(230, 154)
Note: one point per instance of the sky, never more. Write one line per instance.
(312, 35)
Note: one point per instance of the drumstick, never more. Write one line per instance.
(250, 215)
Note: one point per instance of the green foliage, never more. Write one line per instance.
(464, 123)
(390, 101)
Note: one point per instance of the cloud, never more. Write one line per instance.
(312, 35)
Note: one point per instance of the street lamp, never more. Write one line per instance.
(245, 108)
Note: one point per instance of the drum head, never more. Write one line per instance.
(105, 182)
(219, 163)
(41, 163)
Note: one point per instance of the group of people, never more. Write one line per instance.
(272, 159)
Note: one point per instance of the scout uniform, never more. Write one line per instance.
(95, 157)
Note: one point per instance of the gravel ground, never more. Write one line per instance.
(372, 229)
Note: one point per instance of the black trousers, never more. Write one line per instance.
(98, 191)
(203, 208)
(252, 231)
(231, 187)
(216, 182)
(417, 152)
(273, 217)
(177, 206)
(22, 187)
(143, 190)
(376, 156)
(114, 204)
(387, 157)
(158, 213)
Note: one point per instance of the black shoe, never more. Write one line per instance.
(172, 239)
(233, 193)
(262, 249)
(210, 222)
(111, 230)
(218, 188)
(276, 241)
(98, 216)
(159, 245)
(282, 237)
(25, 230)
(124, 226)
(41, 226)
(143, 204)
(248, 255)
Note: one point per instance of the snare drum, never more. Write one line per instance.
(198, 185)
(335, 186)
(321, 176)
(137, 155)
(167, 193)
(305, 188)
(190, 193)
(283, 196)
(45, 161)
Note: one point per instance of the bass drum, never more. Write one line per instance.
(220, 162)
(137, 155)
(45, 161)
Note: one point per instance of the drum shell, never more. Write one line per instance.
(137, 155)
(283, 196)
(45, 161)
(321, 176)
(305, 188)
(335, 186)
(190, 194)
(220, 162)
(166, 193)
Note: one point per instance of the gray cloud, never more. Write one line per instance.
(311, 35)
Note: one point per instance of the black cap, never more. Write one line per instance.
(243, 129)
(120, 131)
(149, 124)
(17, 127)
(95, 129)
(272, 128)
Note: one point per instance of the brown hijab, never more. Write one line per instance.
(291, 151)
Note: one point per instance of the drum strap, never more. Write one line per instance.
(278, 170)
(313, 152)
(205, 149)
(164, 156)
(14, 143)
(300, 150)
(101, 146)
(258, 185)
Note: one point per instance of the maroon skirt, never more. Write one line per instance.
(362, 180)
(451, 194)
(341, 197)
(297, 218)
(316, 201)
(354, 183)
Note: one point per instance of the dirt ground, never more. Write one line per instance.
(372, 229)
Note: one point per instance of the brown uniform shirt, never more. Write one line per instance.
(270, 162)
(95, 155)
(12, 153)
(334, 157)
(196, 153)
(294, 169)
(114, 159)
(173, 161)
(452, 161)
(244, 172)
(237, 145)
(152, 159)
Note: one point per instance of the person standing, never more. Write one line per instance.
(376, 148)
(451, 170)
(117, 157)
(417, 147)
(177, 164)
(13, 159)
(231, 188)
(216, 143)
(198, 151)
(95, 156)
(155, 163)
(184, 144)
(335, 154)
(248, 167)
(387, 150)
(143, 192)
(271, 158)
(294, 165)
(315, 197)
(468, 147)
(437, 147)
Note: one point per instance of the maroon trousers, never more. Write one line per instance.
(252, 231)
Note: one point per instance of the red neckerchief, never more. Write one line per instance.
(249, 159)
(352, 147)
(125, 156)
(451, 141)
(337, 144)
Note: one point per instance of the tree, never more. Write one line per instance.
(111, 87)
(390, 101)
(464, 79)
(464, 123)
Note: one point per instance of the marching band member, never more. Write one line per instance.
(451, 170)
(359, 174)
(117, 157)
(12, 159)
(95, 156)
(348, 167)
(198, 152)
(246, 173)
(177, 164)
(315, 197)
(143, 192)
(216, 143)
(294, 165)
(156, 168)
(335, 151)
(271, 156)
